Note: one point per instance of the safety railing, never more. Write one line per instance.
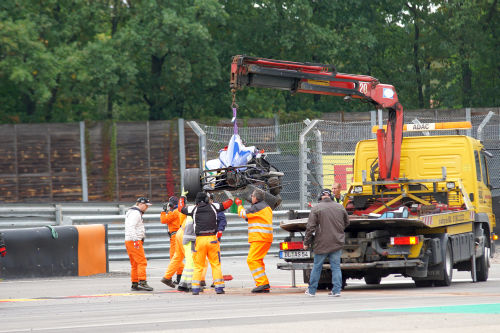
(157, 245)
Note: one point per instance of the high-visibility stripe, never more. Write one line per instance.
(259, 275)
(261, 231)
(265, 225)
(257, 270)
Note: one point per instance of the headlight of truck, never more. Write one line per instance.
(450, 185)
(358, 189)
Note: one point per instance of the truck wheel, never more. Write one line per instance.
(447, 268)
(192, 182)
(373, 279)
(483, 264)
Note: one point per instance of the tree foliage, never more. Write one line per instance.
(71, 60)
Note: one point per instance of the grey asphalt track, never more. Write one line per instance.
(104, 303)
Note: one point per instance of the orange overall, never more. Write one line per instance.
(176, 262)
(260, 237)
(207, 246)
(137, 261)
(173, 220)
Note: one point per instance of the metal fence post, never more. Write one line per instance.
(202, 139)
(277, 130)
(483, 124)
(148, 148)
(58, 214)
(373, 122)
(469, 119)
(182, 149)
(83, 163)
(319, 154)
(303, 171)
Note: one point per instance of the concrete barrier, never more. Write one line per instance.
(55, 251)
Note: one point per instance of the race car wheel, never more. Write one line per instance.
(192, 182)
(274, 184)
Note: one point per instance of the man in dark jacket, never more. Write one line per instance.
(325, 232)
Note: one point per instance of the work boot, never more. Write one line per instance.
(196, 291)
(219, 291)
(182, 288)
(134, 286)
(178, 279)
(203, 283)
(261, 289)
(168, 282)
(143, 285)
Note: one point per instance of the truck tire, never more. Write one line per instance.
(483, 264)
(447, 268)
(373, 279)
(192, 182)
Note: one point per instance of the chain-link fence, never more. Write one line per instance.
(315, 154)
(280, 144)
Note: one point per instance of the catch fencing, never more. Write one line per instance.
(315, 154)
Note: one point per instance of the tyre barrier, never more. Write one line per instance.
(79, 250)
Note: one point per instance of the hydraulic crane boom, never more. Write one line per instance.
(322, 79)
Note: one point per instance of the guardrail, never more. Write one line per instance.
(157, 245)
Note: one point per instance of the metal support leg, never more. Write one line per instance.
(293, 279)
(473, 265)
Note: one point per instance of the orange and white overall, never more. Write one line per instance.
(135, 231)
(260, 237)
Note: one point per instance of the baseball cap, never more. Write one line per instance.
(326, 191)
(173, 201)
(144, 200)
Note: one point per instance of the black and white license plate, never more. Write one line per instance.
(295, 254)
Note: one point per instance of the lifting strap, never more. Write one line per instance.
(235, 111)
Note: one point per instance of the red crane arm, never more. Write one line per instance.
(323, 79)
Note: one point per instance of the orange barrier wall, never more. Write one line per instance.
(92, 248)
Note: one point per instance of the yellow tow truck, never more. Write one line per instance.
(419, 206)
(435, 218)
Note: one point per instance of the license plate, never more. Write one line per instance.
(295, 254)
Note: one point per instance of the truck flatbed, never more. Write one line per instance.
(425, 221)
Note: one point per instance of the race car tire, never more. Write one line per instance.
(272, 200)
(192, 182)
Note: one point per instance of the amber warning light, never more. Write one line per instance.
(453, 125)
(291, 246)
(407, 240)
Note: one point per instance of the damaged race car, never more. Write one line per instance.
(238, 168)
